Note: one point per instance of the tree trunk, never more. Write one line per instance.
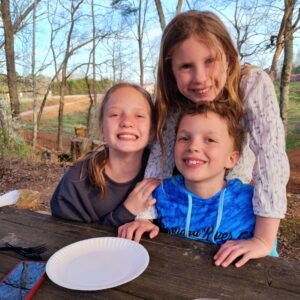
(10, 58)
(287, 64)
(161, 15)
(280, 40)
(35, 128)
(140, 43)
(178, 7)
(61, 109)
(93, 100)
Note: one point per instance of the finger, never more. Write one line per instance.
(222, 254)
(151, 202)
(245, 258)
(138, 234)
(154, 232)
(149, 186)
(231, 257)
(139, 187)
(130, 231)
(120, 231)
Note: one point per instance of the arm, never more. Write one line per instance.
(267, 141)
(67, 202)
(154, 168)
(76, 199)
(259, 246)
(137, 201)
(270, 172)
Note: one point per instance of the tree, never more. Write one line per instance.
(35, 127)
(250, 21)
(278, 41)
(10, 28)
(10, 57)
(161, 14)
(138, 14)
(289, 29)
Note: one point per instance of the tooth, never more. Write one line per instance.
(128, 136)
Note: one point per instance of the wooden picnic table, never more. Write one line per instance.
(179, 268)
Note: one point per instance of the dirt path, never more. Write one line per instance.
(74, 103)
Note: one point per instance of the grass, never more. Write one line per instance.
(70, 121)
(293, 133)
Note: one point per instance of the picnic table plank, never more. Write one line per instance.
(179, 268)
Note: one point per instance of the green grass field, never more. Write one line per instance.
(293, 136)
(70, 121)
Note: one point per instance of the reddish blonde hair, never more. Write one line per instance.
(206, 26)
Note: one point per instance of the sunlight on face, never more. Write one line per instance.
(204, 149)
(199, 70)
(126, 125)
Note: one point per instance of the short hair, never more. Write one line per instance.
(225, 111)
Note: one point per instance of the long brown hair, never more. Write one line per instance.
(207, 26)
(97, 159)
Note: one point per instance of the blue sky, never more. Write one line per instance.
(129, 45)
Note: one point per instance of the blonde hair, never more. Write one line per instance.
(96, 160)
(207, 26)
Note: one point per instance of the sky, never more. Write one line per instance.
(129, 46)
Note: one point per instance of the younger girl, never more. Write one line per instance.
(198, 62)
(97, 188)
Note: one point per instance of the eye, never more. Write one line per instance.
(186, 66)
(141, 116)
(182, 138)
(113, 115)
(210, 140)
(210, 60)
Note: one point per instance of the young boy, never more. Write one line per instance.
(199, 203)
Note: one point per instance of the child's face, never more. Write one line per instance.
(126, 124)
(199, 72)
(204, 149)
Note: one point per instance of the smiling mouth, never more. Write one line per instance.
(193, 162)
(128, 137)
(201, 91)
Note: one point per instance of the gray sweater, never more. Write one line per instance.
(75, 198)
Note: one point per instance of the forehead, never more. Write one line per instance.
(127, 97)
(207, 43)
(209, 121)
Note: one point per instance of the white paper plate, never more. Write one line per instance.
(97, 264)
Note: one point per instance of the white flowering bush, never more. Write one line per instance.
(11, 141)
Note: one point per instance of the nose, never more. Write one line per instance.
(194, 146)
(126, 122)
(199, 74)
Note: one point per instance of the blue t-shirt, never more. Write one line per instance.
(228, 215)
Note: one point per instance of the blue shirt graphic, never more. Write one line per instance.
(228, 215)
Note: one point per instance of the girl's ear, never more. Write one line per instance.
(232, 159)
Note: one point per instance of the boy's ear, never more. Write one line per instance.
(232, 159)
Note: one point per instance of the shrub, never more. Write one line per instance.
(11, 141)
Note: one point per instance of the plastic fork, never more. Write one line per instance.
(29, 252)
